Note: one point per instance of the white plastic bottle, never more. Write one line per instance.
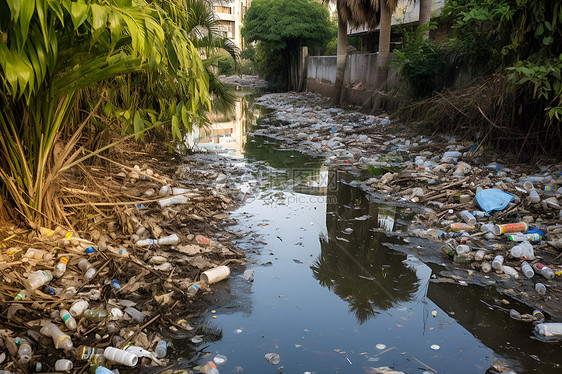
(170, 239)
(63, 365)
(527, 269)
(551, 329)
(60, 268)
(486, 267)
(462, 249)
(60, 339)
(497, 263)
(37, 279)
(69, 321)
(120, 356)
(24, 351)
(508, 270)
(540, 288)
(468, 217)
(87, 268)
(78, 308)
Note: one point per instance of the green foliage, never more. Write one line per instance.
(281, 27)
(249, 53)
(225, 65)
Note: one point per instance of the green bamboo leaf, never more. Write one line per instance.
(15, 8)
(56, 7)
(99, 16)
(176, 133)
(115, 27)
(138, 124)
(27, 10)
(185, 117)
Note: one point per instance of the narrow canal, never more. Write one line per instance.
(332, 292)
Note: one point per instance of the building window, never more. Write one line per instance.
(223, 9)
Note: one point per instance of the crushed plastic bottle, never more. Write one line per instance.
(87, 268)
(60, 268)
(95, 315)
(136, 314)
(273, 358)
(21, 295)
(24, 351)
(60, 339)
(37, 279)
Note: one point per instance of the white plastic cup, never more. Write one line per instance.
(60, 339)
(120, 356)
(63, 365)
(215, 275)
(528, 185)
(170, 240)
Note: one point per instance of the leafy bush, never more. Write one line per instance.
(225, 65)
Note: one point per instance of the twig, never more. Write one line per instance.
(139, 330)
(426, 366)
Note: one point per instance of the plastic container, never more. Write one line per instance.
(85, 353)
(461, 227)
(497, 263)
(103, 370)
(78, 308)
(527, 269)
(192, 290)
(63, 365)
(136, 314)
(523, 251)
(170, 240)
(95, 315)
(21, 295)
(544, 270)
(488, 227)
(37, 279)
(60, 268)
(479, 255)
(468, 217)
(511, 272)
(69, 321)
(24, 351)
(161, 349)
(87, 268)
(462, 249)
(540, 288)
(510, 227)
(60, 339)
(120, 356)
(552, 329)
(173, 200)
(534, 196)
(486, 267)
(215, 275)
(480, 214)
(519, 237)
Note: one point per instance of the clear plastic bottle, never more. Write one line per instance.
(95, 315)
(545, 271)
(60, 268)
(486, 267)
(468, 217)
(69, 321)
(462, 249)
(527, 269)
(37, 279)
(192, 290)
(78, 308)
(161, 349)
(60, 339)
(479, 255)
(24, 351)
(534, 196)
(523, 250)
(69, 292)
(497, 263)
(87, 268)
(63, 365)
(540, 288)
(136, 314)
(21, 295)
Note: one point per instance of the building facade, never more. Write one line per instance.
(230, 15)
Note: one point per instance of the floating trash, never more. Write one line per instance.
(435, 347)
(238, 331)
(219, 359)
(380, 346)
(273, 358)
(197, 339)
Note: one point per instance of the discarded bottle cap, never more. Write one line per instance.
(115, 285)
(90, 250)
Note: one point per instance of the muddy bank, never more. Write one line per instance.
(438, 177)
(126, 278)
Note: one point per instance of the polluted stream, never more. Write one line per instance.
(332, 285)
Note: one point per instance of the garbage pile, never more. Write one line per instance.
(497, 220)
(102, 299)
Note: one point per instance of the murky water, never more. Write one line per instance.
(330, 296)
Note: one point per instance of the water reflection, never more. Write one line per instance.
(228, 132)
(354, 264)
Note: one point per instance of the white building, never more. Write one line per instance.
(231, 14)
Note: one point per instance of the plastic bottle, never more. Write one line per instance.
(461, 227)
(69, 321)
(161, 349)
(169, 240)
(527, 269)
(120, 356)
(552, 329)
(209, 368)
(540, 288)
(69, 292)
(192, 290)
(497, 262)
(488, 227)
(519, 237)
(85, 353)
(87, 268)
(103, 370)
(78, 308)
(510, 227)
(486, 267)
(49, 290)
(60, 268)
(462, 249)
(468, 217)
(479, 255)
(515, 314)
(534, 196)
(508, 270)
(24, 351)
(480, 214)
(63, 365)
(95, 315)
(145, 242)
(37, 279)
(176, 199)
(60, 339)
(523, 251)
(21, 295)
(136, 314)
(545, 271)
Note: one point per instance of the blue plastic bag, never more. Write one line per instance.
(493, 199)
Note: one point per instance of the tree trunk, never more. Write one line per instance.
(384, 52)
(341, 60)
(425, 15)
